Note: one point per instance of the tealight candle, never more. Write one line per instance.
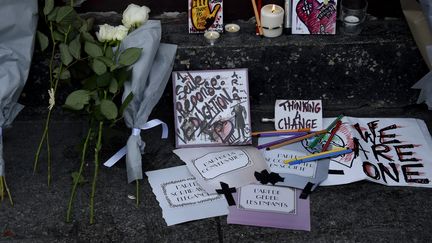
(232, 28)
(272, 20)
(211, 36)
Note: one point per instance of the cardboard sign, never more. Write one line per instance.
(295, 114)
(205, 15)
(212, 107)
(314, 17)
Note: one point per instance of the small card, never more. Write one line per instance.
(314, 17)
(234, 166)
(205, 15)
(296, 114)
(181, 198)
(270, 206)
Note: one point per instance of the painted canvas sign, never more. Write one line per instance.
(181, 198)
(389, 151)
(295, 114)
(314, 16)
(211, 107)
(270, 206)
(234, 166)
(205, 15)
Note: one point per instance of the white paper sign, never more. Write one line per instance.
(268, 198)
(295, 114)
(215, 164)
(275, 161)
(181, 198)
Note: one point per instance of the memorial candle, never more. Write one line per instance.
(272, 20)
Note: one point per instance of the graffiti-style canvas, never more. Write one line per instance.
(211, 107)
(314, 16)
(205, 15)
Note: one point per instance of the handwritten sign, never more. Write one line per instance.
(268, 198)
(185, 192)
(212, 107)
(275, 160)
(205, 15)
(215, 164)
(295, 114)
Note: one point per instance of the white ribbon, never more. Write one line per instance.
(136, 132)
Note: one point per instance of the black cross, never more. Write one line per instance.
(227, 191)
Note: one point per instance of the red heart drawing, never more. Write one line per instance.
(224, 130)
(318, 17)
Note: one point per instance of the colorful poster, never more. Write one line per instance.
(314, 16)
(389, 151)
(205, 15)
(234, 166)
(270, 206)
(211, 107)
(296, 114)
(181, 198)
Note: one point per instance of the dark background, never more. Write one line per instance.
(233, 9)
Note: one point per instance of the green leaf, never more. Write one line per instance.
(109, 53)
(93, 49)
(113, 87)
(104, 79)
(43, 40)
(107, 61)
(130, 56)
(108, 109)
(126, 102)
(49, 6)
(75, 47)
(77, 100)
(53, 14)
(88, 37)
(123, 75)
(90, 83)
(65, 15)
(77, 178)
(58, 36)
(65, 55)
(99, 67)
(65, 74)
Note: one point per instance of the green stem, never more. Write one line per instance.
(96, 170)
(3, 187)
(137, 192)
(48, 159)
(41, 142)
(81, 168)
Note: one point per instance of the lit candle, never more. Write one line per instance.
(272, 20)
(211, 36)
(232, 28)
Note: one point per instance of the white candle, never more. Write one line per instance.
(232, 28)
(211, 36)
(272, 20)
(351, 19)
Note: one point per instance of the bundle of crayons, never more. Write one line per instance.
(298, 135)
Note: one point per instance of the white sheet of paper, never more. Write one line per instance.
(391, 151)
(275, 161)
(181, 198)
(234, 166)
(268, 198)
(295, 114)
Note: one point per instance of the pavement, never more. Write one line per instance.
(357, 212)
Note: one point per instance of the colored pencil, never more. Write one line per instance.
(282, 131)
(290, 141)
(332, 134)
(316, 141)
(266, 145)
(318, 156)
(257, 17)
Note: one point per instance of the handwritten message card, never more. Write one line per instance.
(389, 151)
(181, 198)
(295, 114)
(234, 166)
(314, 17)
(270, 206)
(299, 175)
(212, 107)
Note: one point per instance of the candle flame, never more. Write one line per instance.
(273, 8)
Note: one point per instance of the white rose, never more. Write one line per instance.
(120, 32)
(106, 33)
(135, 16)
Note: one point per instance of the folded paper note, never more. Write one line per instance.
(211, 108)
(299, 175)
(181, 198)
(389, 151)
(270, 206)
(234, 166)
